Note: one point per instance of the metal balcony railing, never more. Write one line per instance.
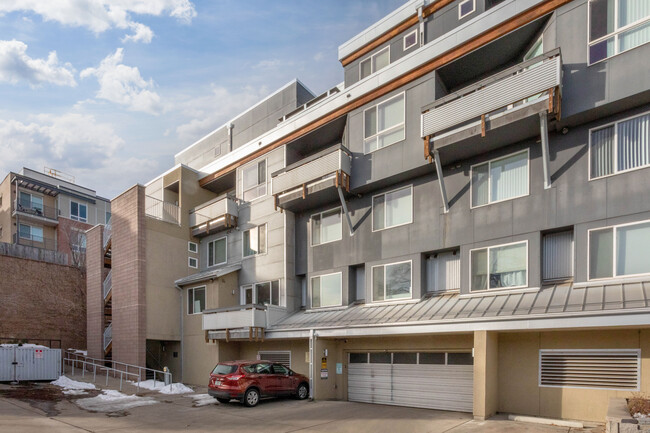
(162, 210)
(108, 335)
(515, 84)
(108, 283)
(108, 228)
(29, 207)
(35, 241)
(312, 168)
(242, 316)
(219, 213)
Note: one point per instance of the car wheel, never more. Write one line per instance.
(302, 392)
(223, 400)
(252, 397)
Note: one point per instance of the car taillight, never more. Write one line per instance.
(235, 377)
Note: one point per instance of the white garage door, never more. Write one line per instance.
(441, 380)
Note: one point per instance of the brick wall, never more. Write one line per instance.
(40, 300)
(95, 296)
(66, 235)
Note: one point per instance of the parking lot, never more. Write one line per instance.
(44, 408)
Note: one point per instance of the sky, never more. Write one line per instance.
(109, 90)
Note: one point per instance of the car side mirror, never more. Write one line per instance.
(290, 373)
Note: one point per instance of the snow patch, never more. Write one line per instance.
(33, 346)
(78, 352)
(202, 399)
(113, 401)
(75, 392)
(67, 383)
(175, 388)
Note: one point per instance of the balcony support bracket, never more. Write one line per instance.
(345, 209)
(543, 127)
(441, 180)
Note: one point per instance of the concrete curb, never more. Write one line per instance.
(546, 421)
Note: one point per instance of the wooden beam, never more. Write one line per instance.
(304, 191)
(426, 147)
(433, 64)
(482, 125)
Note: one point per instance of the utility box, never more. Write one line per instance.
(29, 362)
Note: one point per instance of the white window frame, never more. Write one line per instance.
(378, 132)
(31, 198)
(78, 218)
(311, 235)
(371, 57)
(311, 297)
(266, 178)
(253, 286)
(31, 235)
(372, 214)
(488, 268)
(189, 262)
(266, 236)
(489, 162)
(404, 47)
(192, 247)
(615, 163)
(372, 282)
(208, 252)
(205, 293)
(614, 255)
(460, 7)
(614, 34)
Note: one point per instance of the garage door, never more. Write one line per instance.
(440, 380)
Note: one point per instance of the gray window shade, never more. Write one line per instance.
(557, 258)
(633, 143)
(480, 184)
(443, 271)
(602, 152)
(632, 249)
(509, 177)
(601, 251)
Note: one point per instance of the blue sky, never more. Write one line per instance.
(109, 90)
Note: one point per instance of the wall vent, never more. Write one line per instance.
(281, 357)
(608, 369)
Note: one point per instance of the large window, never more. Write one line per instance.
(78, 211)
(217, 251)
(326, 291)
(196, 300)
(372, 64)
(266, 293)
(30, 232)
(620, 146)
(254, 241)
(619, 251)
(392, 209)
(616, 26)
(502, 266)
(383, 124)
(254, 181)
(326, 227)
(410, 40)
(391, 281)
(500, 179)
(30, 202)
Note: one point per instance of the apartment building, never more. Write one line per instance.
(462, 224)
(50, 211)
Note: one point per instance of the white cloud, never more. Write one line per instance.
(141, 33)
(268, 64)
(124, 85)
(16, 66)
(101, 15)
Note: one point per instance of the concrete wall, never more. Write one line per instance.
(94, 291)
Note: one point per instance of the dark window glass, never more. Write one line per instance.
(380, 358)
(432, 358)
(280, 369)
(466, 8)
(224, 369)
(358, 358)
(263, 368)
(460, 359)
(405, 358)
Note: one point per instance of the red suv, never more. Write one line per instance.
(248, 381)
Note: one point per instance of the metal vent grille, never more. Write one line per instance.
(609, 369)
(283, 357)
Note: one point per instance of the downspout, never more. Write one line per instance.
(180, 292)
(230, 127)
(312, 341)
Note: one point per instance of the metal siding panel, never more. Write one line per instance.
(594, 298)
(559, 299)
(6, 368)
(31, 368)
(613, 297)
(633, 295)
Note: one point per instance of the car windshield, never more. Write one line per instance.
(224, 369)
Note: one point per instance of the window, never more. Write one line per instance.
(192, 262)
(30, 202)
(557, 256)
(254, 241)
(499, 267)
(78, 241)
(500, 179)
(391, 281)
(254, 181)
(326, 291)
(383, 124)
(616, 26)
(619, 251)
(443, 271)
(619, 147)
(392, 209)
(412, 358)
(326, 227)
(465, 8)
(217, 250)
(78, 211)
(372, 64)
(267, 293)
(31, 233)
(410, 40)
(196, 300)
(192, 247)
(108, 217)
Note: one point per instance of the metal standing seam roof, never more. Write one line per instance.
(205, 275)
(557, 300)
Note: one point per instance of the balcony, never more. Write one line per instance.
(242, 322)
(35, 241)
(476, 114)
(313, 180)
(37, 212)
(162, 210)
(214, 216)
